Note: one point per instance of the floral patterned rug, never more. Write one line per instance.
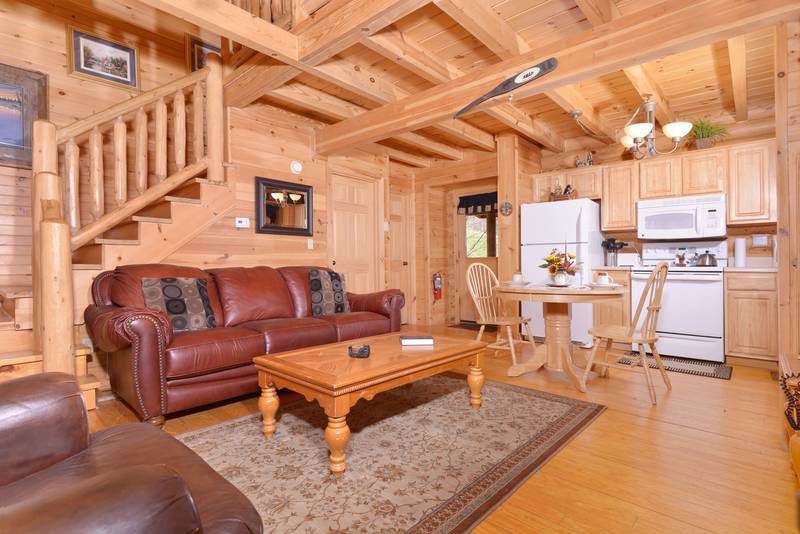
(419, 458)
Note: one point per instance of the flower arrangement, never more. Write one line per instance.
(559, 262)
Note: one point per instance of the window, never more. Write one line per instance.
(481, 235)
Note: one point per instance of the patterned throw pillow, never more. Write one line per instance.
(328, 294)
(183, 300)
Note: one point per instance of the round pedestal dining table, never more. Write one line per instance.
(556, 352)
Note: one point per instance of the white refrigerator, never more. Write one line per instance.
(548, 225)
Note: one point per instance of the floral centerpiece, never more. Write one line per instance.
(560, 265)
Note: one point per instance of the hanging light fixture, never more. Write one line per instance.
(640, 137)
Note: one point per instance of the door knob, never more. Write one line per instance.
(333, 262)
(405, 263)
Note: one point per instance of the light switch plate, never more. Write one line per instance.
(242, 222)
(310, 243)
(760, 240)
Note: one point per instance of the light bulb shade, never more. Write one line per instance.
(627, 141)
(639, 130)
(277, 196)
(677, 129)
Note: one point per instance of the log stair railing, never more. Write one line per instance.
(97, 180)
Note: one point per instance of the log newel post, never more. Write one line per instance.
(45, 160)
(214, 119)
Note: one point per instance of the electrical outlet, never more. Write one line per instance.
(242, 222)
(310, 243)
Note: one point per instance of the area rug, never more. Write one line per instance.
(683, 365)
(419, 458)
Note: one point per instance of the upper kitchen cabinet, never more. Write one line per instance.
(620, 193)
(543, 185)
(752, 185)
(660, 177)
(704, 172)
(587, 181)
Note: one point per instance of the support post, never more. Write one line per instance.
(214, 119)
(45, 162)
(508, 164)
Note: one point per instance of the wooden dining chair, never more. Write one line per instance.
(481, 282)
(605, 335)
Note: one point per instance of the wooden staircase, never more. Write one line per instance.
(130, 184)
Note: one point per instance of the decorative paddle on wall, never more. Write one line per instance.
(526, 76)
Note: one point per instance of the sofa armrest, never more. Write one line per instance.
(113, 327)
(132, 500)
(42, 422)
(140, 338)
(388, 303)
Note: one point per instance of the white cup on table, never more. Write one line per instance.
(516, 278)
(603, 279)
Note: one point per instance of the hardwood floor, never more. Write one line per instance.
(711, 456)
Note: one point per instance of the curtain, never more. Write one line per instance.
(483, 203)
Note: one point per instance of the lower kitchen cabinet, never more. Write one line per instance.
(616, 312)
(751, 315)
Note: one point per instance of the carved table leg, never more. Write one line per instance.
(337, 434)
(558, 339)
(268, 404)
(475, 380)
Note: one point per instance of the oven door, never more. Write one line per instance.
(691, 322)
(669, 222)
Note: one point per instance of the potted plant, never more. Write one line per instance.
(706, 133)
(560, 265)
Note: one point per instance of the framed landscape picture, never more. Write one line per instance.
(196, 52)
(102, 60)
(23, 99)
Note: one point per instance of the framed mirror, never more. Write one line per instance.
(284, 208)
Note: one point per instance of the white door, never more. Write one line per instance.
(353, 233)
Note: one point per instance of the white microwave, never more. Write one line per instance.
(694, 217)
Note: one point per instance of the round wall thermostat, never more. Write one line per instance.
(506, 208)
(296, 167)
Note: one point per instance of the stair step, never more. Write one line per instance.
(88, 266)
(32, 356)
(124, 230)
(6, 320)
(206, 181)
(16, 292)
(160, 213)
(189, 193)
(91, 254)
(107, 241)
(16, 308)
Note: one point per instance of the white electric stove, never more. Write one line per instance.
(692, 319)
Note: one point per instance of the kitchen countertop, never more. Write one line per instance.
(751, 269)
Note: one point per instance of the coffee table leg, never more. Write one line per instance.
(337, 434)
(475, 380)
(268, 404)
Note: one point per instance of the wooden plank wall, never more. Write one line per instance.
(33, 35)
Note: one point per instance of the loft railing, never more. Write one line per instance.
(177, 127)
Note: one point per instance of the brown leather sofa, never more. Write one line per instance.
(55, 477)
(259, 310)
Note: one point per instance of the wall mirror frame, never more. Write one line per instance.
(284, 208)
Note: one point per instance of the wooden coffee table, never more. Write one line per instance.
(336, 381)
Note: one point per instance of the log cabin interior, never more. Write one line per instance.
(212, 210)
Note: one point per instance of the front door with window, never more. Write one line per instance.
(477, 240)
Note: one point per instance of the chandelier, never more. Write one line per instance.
(282, 198)
(640, 137)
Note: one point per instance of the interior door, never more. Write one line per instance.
(400, 247)
(353, 233)
(473, 248)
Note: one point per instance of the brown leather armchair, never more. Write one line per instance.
(258, 310)
(55, 477)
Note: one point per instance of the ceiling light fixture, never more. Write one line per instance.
(640, 137)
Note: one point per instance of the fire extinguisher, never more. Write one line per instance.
(437, 286)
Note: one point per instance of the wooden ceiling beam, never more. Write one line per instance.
(660, 30)
(599, 12)
(737, 55)
(393, 45)
(498, 36)
(336, 108)
(251, 80)
(228, 20)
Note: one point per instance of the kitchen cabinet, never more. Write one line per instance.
(660, 177)
(618, 311)
(587, 181)
(751, 315)
(704, 172)
(752, 184)
(620, 193)
(543, 184)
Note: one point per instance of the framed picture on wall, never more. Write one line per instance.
(102, 60)
(23, 99)
(196, 52)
